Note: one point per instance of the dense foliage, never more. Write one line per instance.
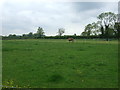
(107, 26)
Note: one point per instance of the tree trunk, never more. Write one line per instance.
(102, 31)
(106, 32)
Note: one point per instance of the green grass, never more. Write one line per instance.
(60, 64)
(0, 63)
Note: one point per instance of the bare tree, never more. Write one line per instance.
(61, 31)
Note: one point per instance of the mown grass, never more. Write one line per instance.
(60, 64)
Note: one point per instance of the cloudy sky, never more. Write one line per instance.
(24, 16)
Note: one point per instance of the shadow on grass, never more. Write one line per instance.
(7, 49)
(56, 78)
(81, 49)
(14, 49)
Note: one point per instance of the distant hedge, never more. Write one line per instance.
(56, 37)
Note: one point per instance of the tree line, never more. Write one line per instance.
(106, 27)
(39, 34)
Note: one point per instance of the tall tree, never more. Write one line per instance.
(106, 20)
(117, 29)
(61, 31)
(40, 32)
(101, 28)
(91, 29)
(95, 28)
(84, 33)
(88, 30)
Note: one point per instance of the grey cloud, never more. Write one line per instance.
(85, 6)
(27, 16)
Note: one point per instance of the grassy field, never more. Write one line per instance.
(0, 63)
(60, 64)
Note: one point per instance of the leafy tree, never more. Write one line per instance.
(61, 31)
(101, 28)
(107, 20)
(40, 32)
(88, 30)
(25, 36)
(84, 33)
(107, 26)
(117, 29)
(12, 36)
(95, 29)
(30, 34)
(75, 34)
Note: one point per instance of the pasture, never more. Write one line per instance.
(0, 63)
(50, 63)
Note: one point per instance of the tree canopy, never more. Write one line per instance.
(106, 26)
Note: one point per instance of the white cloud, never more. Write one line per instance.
(23, 16)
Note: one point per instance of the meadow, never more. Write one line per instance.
(0, 63)
(57, 63)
